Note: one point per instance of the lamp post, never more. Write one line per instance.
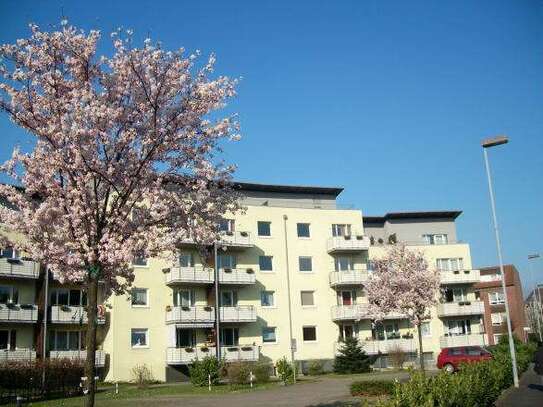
(537, 295)
(486, 144)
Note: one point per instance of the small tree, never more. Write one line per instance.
(204, 370)
(285, 370)
(397, 356)
(352, 358)
(403, 283)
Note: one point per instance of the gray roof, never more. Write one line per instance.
(300, 189)
(413, 215)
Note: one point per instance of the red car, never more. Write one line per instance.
(450, 358)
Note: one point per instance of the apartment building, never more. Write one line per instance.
(291, 271)
(534, 312)
(491, 293)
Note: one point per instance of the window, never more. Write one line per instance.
(185, 338)
(346, 331)
(267, 298)
(265, 263)
(458, 327)
(497, 318)
(309, 333)
(10, 253)
(227, 225)
(9, 295)
(65, 296)
(346, 297)
(303, 229)
(67, 340)
(139, 338)
(496, 297)
(455, 264)
(139, 297)
(435, 238)
(341, 230)
(183, 298)
(497, 338)
(8, 339)
(229, 337)
(305, 263)
(425, 329)
(268, 334)
(308, 298)
(139, 260)
(229, 298)
(386, 331)
(186, 260)
(343, 263)
(226, 261)
(456, 351)
(455, 294)
(264, 228)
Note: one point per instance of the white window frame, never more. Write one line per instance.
(258, 231)
(432, 238)
(266, 271)
(11, 291)
(140, 330)
(274, 305)
(497, 318)
(146, 265)
(275, 330)
(337, 262)
(8, 330)
(146, 305)
(15, 254)
(189, 255)
(230, 225)
(81, 339)
(310, 261)
(314, 305)
(308, 228)
(316, 334)
(341, 229)
(496, 298)
(177, 294)
(446, 264)
(428, 333)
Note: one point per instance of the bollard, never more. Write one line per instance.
(251, 378)
(19, 401)
(209, 382)
(116, 388)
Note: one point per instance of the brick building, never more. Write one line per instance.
(491, 293)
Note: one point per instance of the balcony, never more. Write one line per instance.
(19, 355)
(18, 313)
(355, 243)
(459, 276)
(185, 356)
(19, 268)
(453, 309)
(239, 240)
(240, 313)
(348, 277)
(195, 316)
(350, 312)
(373, 347)
(189, 275)
(451, 341)
(237, 276)
(246, 353)
(99, 361)
(68, 314)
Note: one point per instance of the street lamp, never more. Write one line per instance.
(486, 144)
(537, 295)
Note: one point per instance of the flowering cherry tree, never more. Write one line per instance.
(402, 283)
(125, 161)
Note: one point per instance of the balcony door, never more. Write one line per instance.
(347, 331)
(386, 331)
(341, 230)
(346, 297)
(455, 327)
(183, 298)
(343, 263)
(457, 294)
(229, 298)
(8, 339)
(229, 337)
(185, 338)
(226, 261)
(186, 260)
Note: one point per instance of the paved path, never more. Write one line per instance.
(529, 393)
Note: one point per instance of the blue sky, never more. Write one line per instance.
(387, 99)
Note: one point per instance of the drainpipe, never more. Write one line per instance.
(292, 344)
(45, 307)
(217, 306)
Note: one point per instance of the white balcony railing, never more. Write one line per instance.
(236, 239)
(450, 341)
(350, 312)
(68, 314)
(352, 243)
(240, 313)
(373, 347)
(19, 268)
(199, 315)
(185, 356)
(348, 277)
(19, 355)
(100, 357)
(189, 275)
(451, 309)
(18, 313)
(237, 276)
(459, 276)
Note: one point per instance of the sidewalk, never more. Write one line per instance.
(529, 393)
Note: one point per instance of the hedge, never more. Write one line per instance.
(372, 388)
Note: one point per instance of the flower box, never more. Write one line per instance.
(168, 308)
(185, 308)
(189, 350)
(347, 237)
(208, 308)
(250, 271)
(244, 234)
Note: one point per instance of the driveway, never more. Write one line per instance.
(529, 393)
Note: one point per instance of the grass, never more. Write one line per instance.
(106, 395)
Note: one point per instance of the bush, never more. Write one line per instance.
(202, 369)
(142, 376)
(352, 358)
(262, 372)
(315, 368)
(239, 372)
(397, 357)
(372, 388)
(285, 370)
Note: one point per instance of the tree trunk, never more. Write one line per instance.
(92, 313)
(421, 353)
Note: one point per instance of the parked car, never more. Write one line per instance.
(450, 359)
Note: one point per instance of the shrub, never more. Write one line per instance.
(352, 358)
(372, 388)
(262, 372)
(201, 370)
(285, 370)
(142, 376)
(397, 357)
(238, 372)
(316, 368)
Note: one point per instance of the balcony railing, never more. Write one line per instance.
(236, 239)
(18, 313)
(451, 309)
(68, 314)
(352, 243)
(350, 312)
(348, 277)
(459, 276)
(19, 355)
(99, 361)
(19, 268)
(189, 275)
(451, 341)
(185, 356)
(240, 313)
(197, 316)
(373, 347)
(237, 276)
